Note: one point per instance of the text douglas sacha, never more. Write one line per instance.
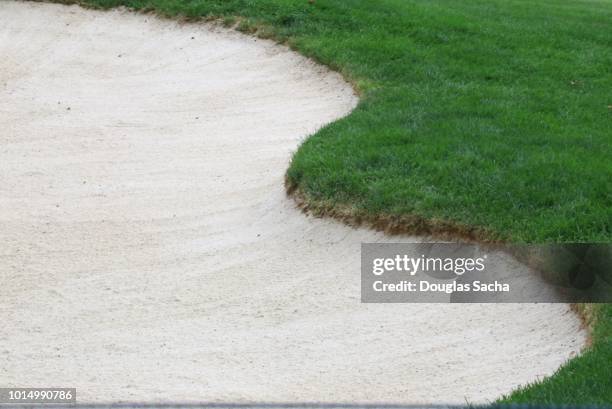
(450, 287)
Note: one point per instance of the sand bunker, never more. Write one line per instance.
(149, 251)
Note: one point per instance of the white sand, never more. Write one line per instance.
(149, 252)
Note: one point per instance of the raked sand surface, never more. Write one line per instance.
(149, 252)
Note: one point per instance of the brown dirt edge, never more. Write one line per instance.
(392, 225)
(588, 315)
(414, 225)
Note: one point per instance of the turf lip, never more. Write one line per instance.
(391, 225)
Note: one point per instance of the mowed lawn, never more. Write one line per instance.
(486, 118)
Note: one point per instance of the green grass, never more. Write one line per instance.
(491, 115)
(585, 379)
